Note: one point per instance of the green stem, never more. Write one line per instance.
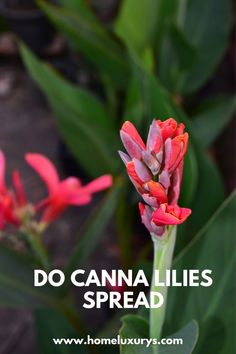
(33, 239)
(163, 254)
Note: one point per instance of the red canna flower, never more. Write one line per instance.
(11, 201)
(170, 215)
(156, 169)
(63, 193)
(146, 215)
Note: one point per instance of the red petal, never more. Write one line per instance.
(80, 199)
(130, 129)
(170, 215)
(168, 128)
(158, 191)
(175, 184)
(178, 149)
(133, 174)
(179, 129)
(154, 140)
(2, 172)
(131, 146)
(46, 170)
(52, 212)
(98, 184)
(20, 193)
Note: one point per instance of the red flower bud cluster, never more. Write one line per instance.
(156, 170)
(14, 207)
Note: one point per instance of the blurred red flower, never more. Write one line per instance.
(63, 193)
(11, 201)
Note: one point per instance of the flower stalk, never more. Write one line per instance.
(33, 239)
(155, 168)
(163, 255)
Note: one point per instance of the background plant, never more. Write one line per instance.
(150, 61)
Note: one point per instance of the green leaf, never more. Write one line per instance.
(212, 117)
(207, 181)
(166, 13)
(50, 324)
(92, 40)
(136, 24)
(190, 173)
(78, 6)
(92, 230)
(17, 282)
(189, 334)
(177, 55)
(207, 25)
(212, 248)
(81, 118)
(134, 326)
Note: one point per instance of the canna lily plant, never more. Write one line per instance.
(156, 169)
(31, 220)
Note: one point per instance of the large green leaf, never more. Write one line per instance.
(17, 282)
(136, 24)
(134, 326)
(189, 334)
(177, 55)
(78, 6)
(212, 117)
(81, 118)
(166, 13)
(214, 307)
(137, 327)
(208, 181)
(92, 40)
(207, 26)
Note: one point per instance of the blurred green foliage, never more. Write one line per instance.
(149, 60)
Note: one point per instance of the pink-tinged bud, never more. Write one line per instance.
(157, 190)
(178, 149)
(151, 162)
(156, 171)
(175, 183)
(152, 201)
(179, 129)
(130, 129)
(138, 173)
(124, 157)
(132, 140)
(154, 140)
(146, 217)
(168, 128)
(170, 215)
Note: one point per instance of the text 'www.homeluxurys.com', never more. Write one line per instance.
(119, 340)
